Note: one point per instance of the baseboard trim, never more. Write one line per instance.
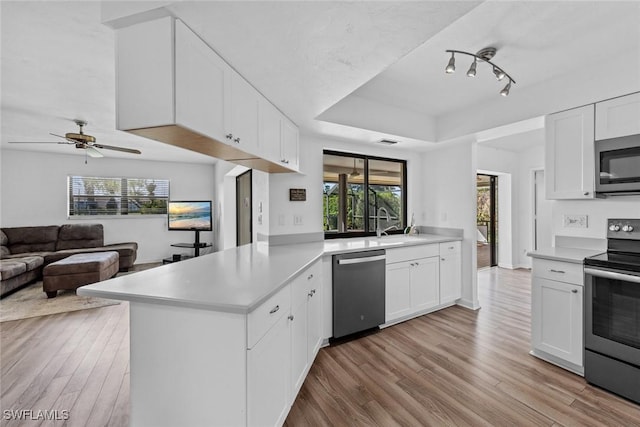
(471, 305)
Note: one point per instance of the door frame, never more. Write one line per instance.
(492, 230)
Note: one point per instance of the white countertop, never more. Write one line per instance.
(236, 280)
(573, 255)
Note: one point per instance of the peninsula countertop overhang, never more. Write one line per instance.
(237, 280)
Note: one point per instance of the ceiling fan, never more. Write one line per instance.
(82, 141)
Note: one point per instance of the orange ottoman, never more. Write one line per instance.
(79, 270)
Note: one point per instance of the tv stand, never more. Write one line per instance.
(196, 245)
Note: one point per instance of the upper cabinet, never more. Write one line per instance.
(172, 87)
(278, 136)
(569, 154)
(618, 117)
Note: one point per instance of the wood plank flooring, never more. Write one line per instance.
(453, 367)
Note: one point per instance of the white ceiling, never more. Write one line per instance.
(306, 57)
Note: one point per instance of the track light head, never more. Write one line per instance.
(505, 91)
(451, 66)
(499, 73)
(472, 68)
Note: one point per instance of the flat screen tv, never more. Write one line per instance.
(190, 215)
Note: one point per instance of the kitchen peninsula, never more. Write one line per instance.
(228, 338)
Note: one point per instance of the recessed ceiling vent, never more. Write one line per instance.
(387, 142)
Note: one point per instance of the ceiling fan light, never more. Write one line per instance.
(472, 69)
(505, 91)
(451, 66)
(499, 73)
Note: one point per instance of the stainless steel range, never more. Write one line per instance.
(612, 312)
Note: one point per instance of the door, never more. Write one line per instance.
(243, 209)
(541, 213)
(487, 220)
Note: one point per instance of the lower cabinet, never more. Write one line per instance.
(268, 377)
(279, 361)
(556, 314)
(422, 278)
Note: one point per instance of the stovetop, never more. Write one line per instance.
(614, 260)
(623, 246)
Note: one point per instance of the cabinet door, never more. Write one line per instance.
(450, 272)
(618, 117)
(144, 71)
(244, 114)
(425, 283)
(569, 154)
(315, 317)
(557, 319)
(200, 85)
(268, 376)
(270, 134)
(299, 345)
(290, 135)
(397, 291)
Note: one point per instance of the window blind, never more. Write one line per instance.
(90, 195)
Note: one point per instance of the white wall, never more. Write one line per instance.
(448, 188)
(598, 211)
(528, 161)
(34, 192)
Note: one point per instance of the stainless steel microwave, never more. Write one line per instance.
(618, 166)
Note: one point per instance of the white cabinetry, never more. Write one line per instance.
(556, 313)
(284, 336)
(618, 117)
(420, 279)
(569, 154)
(278, 136)
(450, 272)
(172, 87)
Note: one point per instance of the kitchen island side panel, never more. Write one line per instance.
(188, 366)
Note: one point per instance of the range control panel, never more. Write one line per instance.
(623, 229)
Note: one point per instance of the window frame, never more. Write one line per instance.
(120, 214)
(337, 235)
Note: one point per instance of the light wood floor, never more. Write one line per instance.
(453, 367)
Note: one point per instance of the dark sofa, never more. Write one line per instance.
(26, 251)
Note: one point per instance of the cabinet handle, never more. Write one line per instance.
(312, 293)
(574, 291)
(451, 247)
(290, 317)
(229, 136)
(586, 193)
(442, 259)
(556, 271)
(237, 140)
(310, 277)
(285, 161)
(274, 309)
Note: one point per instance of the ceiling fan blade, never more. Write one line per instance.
(111, 147)
(92, 152)
(35, 142)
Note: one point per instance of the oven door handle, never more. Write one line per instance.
(612, 275)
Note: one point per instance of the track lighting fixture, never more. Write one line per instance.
(483, 55)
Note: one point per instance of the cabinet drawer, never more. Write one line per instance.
(449, 248)
(305, 283)
(411, 252)
(557, 270)
(267, 314)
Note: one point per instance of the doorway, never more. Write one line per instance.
(487, 220)
(243, 209)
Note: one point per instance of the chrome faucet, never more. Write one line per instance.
(379, 230)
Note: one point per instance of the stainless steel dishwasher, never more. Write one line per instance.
(358, 291)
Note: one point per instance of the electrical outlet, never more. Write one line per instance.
(260, 219)
(297, 220)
